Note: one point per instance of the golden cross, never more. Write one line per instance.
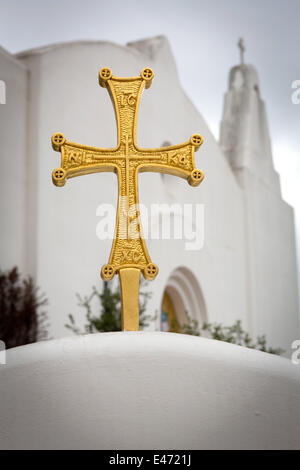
(129, 255)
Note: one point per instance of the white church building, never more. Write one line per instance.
(246, 268)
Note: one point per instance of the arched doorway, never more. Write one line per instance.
(182, 295)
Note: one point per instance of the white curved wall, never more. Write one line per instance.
(139, 390)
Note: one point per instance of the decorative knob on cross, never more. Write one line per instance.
(129, 255)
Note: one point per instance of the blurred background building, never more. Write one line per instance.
(246, 269)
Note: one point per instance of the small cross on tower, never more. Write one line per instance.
(242, 47)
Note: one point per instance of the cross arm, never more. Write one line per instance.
(177, 160)
(79, 159)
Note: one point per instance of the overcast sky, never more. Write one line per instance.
(203, 35)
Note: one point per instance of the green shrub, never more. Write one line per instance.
(21, 320)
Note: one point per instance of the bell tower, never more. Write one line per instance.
(244, 133)
(271, 272)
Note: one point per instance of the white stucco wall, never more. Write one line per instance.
(140, 390)
(272, 263)
(13, 162)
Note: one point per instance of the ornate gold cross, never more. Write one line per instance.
(129, 255)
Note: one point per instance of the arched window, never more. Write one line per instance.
(2, 92)
(182, 294)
